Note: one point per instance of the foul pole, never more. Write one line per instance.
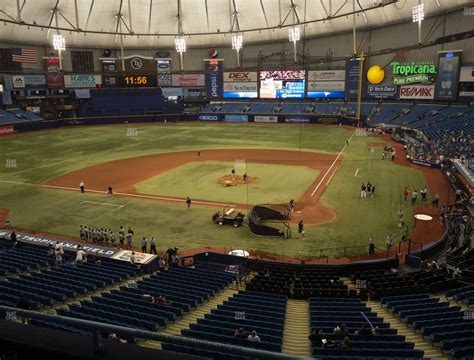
(359, 95)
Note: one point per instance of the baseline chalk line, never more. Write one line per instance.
(101, 203)
(332, 165)
(357, 171)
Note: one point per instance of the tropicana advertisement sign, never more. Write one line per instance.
(412, 73)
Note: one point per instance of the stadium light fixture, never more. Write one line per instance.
(237, 40)
(59, 44)
(418, 13)
(180, 44)
(294, 35)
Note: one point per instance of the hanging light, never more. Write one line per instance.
(59, 43)
(237, 40)
(294, 33)
(418, 13)
(180, 44)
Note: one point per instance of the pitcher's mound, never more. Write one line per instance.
(230, 180)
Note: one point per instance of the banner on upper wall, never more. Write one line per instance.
(209, 117)
(417, 91)
(170, 91)
(466, 74)
(138, 64)
(326, 86)
(164, 72)
(236, 118)
(35, 81)
(82, 93)
(327, 75)
(382, 91)
(413, 72)
(188, 80)
(265, 119)
(240, 76)
(54, 75)
(18, 81)
(240, 84)
(214, 78)
(82, 81)
(352, 78)
(449, 63)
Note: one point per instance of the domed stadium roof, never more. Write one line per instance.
(155, 23)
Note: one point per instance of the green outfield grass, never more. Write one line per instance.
(38, 157)
(272, 183)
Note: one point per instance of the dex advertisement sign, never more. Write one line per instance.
(381, 91)
(241, 76)
(426, 92)
(214, 79)
(82, 81)
(188, 80)
(448, 75)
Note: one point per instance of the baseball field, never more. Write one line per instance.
(152, 168)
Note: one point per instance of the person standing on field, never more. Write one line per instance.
(188, 202)
(144, 244)
(300, 229)
(405, 193)
(414, 196)
(82, 186)
(423, 193)
(153, 245)
(371, 245)
(363, 194)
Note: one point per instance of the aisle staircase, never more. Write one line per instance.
(193, 315)
(411, 336)
(295, 335)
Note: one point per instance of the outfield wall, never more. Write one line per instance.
(26, 126)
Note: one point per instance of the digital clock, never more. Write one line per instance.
(137, 81)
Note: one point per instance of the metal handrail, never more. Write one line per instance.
(96, 327)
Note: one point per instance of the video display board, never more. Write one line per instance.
(282, 84)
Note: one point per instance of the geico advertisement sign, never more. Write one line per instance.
(205, 117)
(417, 92)
(240, 76)
(240, 86)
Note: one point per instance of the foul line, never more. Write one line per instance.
(334, 173)
(357, 171)
(101, 203)
(139, 196)
(332, 165)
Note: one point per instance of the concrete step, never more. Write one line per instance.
(191, 317)
(402, 328)
(296, 331)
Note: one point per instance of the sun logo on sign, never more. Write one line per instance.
(136, 63)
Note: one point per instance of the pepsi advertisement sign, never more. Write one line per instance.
(214, 79)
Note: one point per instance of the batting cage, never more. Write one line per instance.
(270, 220)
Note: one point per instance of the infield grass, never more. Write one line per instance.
(272, 183)
(41, 156)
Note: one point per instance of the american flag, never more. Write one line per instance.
(23, 55)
